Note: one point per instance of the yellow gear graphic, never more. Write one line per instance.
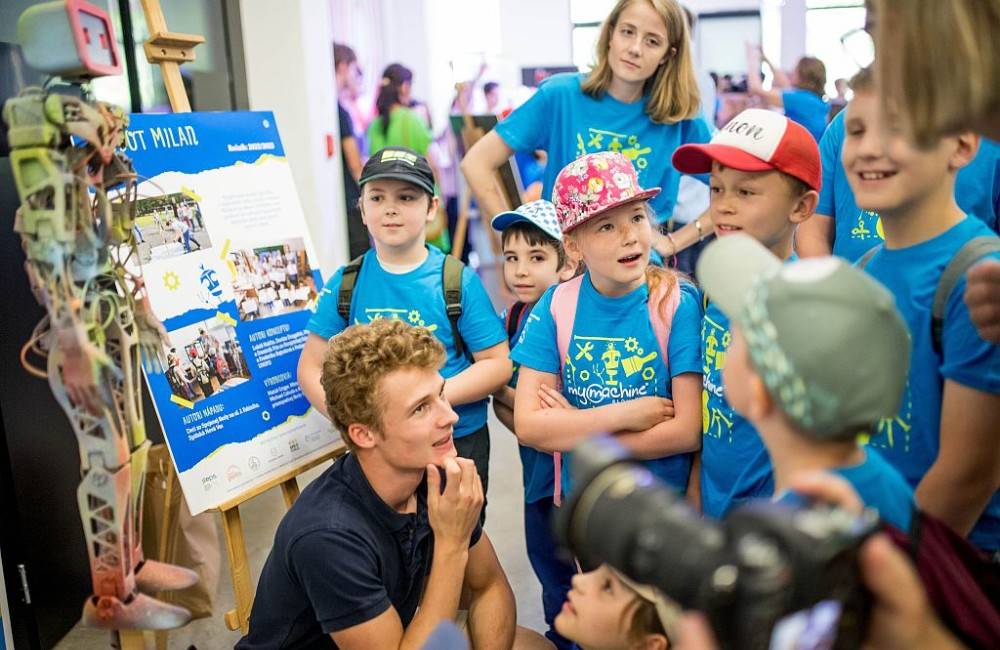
(413, 316)
(171, 281)
(705, 415)
(632, 344)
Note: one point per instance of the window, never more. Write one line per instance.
(721, 40)
(826, 22)
(587, 16)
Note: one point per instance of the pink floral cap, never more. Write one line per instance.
(593, 184)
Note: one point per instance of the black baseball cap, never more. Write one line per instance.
(401, 164)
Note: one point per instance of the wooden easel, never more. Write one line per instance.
(236, 548)
(471, 134)
(169, 50)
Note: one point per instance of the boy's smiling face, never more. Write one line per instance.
(764, 205)
(396, 212)
(529, 269)
(885, 170)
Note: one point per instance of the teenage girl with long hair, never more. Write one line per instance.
(640, 99)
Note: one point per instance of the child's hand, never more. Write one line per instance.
(550, 398)
(646, 412)
(982, 295)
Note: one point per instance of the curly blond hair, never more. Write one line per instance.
(359, 358)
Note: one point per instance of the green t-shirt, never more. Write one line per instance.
(406, 129)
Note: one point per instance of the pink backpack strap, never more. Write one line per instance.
(661, 318)
(563, 309)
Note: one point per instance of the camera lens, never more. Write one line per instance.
(623, 515)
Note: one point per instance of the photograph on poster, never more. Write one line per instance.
(272, 280)
(169, 226)
(204, 359)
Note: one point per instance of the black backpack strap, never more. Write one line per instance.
(970, 253)
(347, 280)
(451, 281)
(514, 318)
(867, 257)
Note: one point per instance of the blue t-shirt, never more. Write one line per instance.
(537, 468)
(417, 297)
(977, 191)
(341, 557)
(910, 440)
(807, 108)
(566, 123)
(881, 487)
(614, 357)
(735, 465)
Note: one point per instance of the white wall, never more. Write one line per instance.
(793, 33)
(543, 40)
(289, 61)
(406, 40)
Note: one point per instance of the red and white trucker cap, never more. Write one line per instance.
(757, 140)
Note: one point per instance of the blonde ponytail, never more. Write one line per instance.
(657, 277)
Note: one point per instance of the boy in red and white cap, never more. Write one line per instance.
(765, 181)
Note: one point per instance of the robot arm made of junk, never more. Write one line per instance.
(76, 220)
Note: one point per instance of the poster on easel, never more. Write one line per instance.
(231, 272)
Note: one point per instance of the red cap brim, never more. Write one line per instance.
(697, 159)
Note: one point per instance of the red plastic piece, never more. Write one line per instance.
(82, 37)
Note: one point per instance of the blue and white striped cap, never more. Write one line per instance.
(540, 213)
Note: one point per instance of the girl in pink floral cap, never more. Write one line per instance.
(616, 349)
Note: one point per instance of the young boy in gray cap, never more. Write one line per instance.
(798, 370)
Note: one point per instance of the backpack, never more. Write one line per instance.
(451, 284)
(962, 584)
(971, 252)
(515, 315)
(565, 299)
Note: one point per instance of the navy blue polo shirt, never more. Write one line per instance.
(341, 556)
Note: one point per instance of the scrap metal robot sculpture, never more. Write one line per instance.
(76, 220)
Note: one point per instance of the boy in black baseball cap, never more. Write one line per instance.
(399, 163)
(402, 278)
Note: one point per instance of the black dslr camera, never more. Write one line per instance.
(768, 576)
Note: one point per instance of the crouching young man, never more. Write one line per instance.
(378, 550)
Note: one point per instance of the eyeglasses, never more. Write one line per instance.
(858, 45)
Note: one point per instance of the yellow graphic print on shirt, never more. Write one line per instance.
(627, 145)
(895, 431)
(411, 316)
(606, 369)
(716, 415)
(869, 227)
